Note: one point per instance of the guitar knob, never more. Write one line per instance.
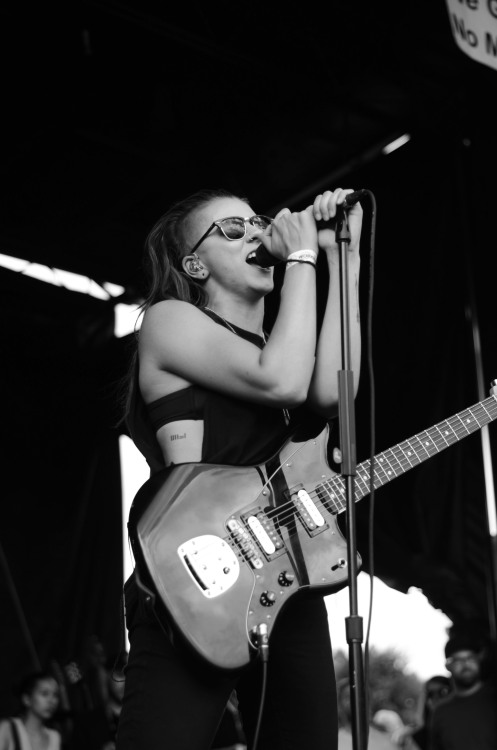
(268, 598)
(286, 578)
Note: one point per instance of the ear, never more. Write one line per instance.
(193, 266)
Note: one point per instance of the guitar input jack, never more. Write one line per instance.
(262, 641)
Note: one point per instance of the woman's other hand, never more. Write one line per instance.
(324, 208)
(290, 232)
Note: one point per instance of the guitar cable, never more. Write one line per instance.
(372, 440)
(262, 642)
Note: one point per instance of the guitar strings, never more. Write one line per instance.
(458, 427)
(336, 495)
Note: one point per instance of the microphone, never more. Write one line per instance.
(352, 198)
(263, 257)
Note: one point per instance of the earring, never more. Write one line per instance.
(196, 265)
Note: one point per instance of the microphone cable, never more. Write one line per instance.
(372, 439)
(261, 706)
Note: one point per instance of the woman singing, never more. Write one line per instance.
(212, 386)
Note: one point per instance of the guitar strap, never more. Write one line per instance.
(281, 491)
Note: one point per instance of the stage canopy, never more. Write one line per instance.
(115, 108)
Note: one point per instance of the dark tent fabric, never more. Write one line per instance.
(431, 525)
(116, 109)
(61, 502)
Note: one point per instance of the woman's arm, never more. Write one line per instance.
(323, 391)
(179, 339)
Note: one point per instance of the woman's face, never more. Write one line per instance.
(226, 260)
(43, 699)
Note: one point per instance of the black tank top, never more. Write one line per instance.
(236, 432)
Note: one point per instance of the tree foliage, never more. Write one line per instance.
(390, 685)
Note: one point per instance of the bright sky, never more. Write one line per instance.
(404, 622)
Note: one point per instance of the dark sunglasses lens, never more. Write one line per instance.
(234, 228)
(260, 222)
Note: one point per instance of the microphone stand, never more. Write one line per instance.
(353, 623)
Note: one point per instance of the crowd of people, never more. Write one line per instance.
(70, 707)
(467, 717)
(457, 711)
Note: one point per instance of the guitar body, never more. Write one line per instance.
(226, 547)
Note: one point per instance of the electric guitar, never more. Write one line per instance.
(226, 547)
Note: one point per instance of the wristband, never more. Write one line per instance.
(302, 256)
(300, 263)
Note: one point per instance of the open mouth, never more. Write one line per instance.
(253, 260)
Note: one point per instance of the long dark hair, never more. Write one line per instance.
(165, 247)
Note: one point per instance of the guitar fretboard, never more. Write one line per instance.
(404, 456)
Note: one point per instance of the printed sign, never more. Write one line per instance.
(474, 27)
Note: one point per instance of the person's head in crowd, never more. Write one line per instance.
(435, 689)
(95, 652)
(39, 694)
(464, 660)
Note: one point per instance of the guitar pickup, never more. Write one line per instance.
(264, 531)
(261, 535)
(308, 511)
(260, 532)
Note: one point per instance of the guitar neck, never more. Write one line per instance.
(397, 460)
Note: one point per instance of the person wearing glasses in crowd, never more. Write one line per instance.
(467, 717)
(210, 384)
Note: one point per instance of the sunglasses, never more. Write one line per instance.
(235, 228)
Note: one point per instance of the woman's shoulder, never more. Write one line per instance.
(172, 312)
(7, 737)
(6, 741)
(171, 306)
(54, 739)
(171, 330)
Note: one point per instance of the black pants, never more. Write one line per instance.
(173, 702)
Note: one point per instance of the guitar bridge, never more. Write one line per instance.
(211, 564)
